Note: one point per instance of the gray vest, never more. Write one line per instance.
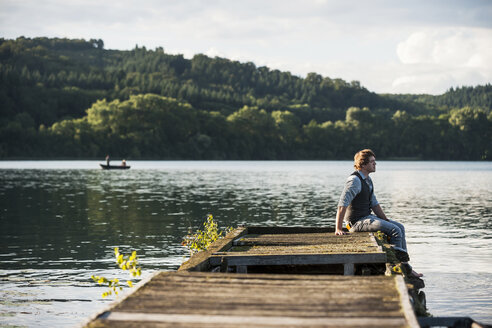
(361, 204)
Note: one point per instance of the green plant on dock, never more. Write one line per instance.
(397, 269)
(201, 239)
(382, 237)
(383, 241)
(126, 263)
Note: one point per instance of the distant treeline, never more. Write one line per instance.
(74, 99)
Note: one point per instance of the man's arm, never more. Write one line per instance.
(340, 215)
(351, 189)
(379, 212)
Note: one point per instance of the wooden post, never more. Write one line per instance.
(348, 269)
(223, 264)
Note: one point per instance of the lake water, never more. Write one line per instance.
(60, 220)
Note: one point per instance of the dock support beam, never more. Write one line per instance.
(348, 269)
(223, 264)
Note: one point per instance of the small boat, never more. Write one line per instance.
(114, 167)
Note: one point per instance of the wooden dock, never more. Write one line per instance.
(204, 299)
(212, 289)
(262, 248)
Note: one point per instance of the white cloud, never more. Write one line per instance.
(450, 47)
(416, 49)
(436, 59)
(213, 52)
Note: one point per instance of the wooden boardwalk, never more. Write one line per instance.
(205, 299)
(199, 295)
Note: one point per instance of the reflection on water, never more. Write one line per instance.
(61, 220)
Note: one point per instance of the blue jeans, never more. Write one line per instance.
(395, 230)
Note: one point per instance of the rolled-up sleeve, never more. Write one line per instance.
(351, 189)
(374, 201)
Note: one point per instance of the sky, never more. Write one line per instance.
(389, 46)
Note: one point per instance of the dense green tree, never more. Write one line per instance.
(474, 133)
(254, 134)
(73, 98)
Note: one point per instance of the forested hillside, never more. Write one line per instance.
(477, 97)
(75, 99)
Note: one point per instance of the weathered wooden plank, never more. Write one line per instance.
(234, 259)
(196, 280)
(287, 230)
(405, 302)
(223, 290)
(137, 324)
(251, 300)
(304, 249)
(337, 283)
(304, 239)
(255, 320)
(309, 297)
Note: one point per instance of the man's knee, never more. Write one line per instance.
(399, 225)
(396, 231)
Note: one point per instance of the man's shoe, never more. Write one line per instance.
(410, 272)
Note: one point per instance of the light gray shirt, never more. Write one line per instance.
(352, 187)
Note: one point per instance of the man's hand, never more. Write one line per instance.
(339, 232)
(379, 212)
(339, 221)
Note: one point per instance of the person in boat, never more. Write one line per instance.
(107, 160)
(361, 211)
(123, 163)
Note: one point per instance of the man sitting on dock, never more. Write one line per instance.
(358, 199)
